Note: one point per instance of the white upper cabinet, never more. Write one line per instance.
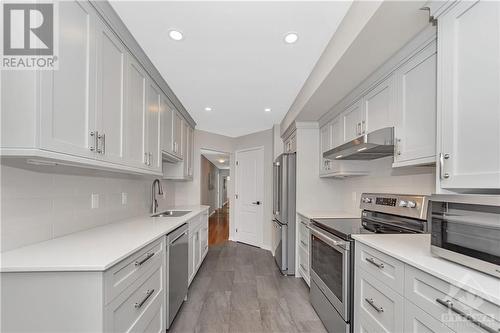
(111, 58)
(190, 151)
(352, 121)
(378, 107)
(337, 129)
(153, 126)
(67, 94)
(135, 115)
(469, 89)
(177, 134)
(167, 118)
(415, 132)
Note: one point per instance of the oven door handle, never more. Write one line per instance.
(338, 244)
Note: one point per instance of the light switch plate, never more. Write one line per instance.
(94, 199)
(124, 198)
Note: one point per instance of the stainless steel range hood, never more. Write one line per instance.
(376, 144)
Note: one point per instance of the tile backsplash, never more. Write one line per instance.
(40, 203)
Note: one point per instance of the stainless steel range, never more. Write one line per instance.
(332, 250)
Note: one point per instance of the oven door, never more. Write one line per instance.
(330, 261)
(467, 234)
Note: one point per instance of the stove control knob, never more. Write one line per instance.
(403, 203)
(411, 204)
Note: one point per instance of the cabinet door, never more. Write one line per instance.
(135, 119)
(418, 321)
(325, 138)
(153, 126)
(190, 150)
(378, 107)
(185, 147)
(191, 257)
(177, 132)
(67, 95)
(167, 118)
(111, 57)
(416, 105)
(337, 132)
(469, 86)
(352, 121)
(197, 249)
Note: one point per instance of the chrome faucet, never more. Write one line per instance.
(154, 201)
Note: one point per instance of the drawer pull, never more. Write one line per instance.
(141, 303)
(372, 303)
(449, 304)
(303, 243)
(149, 255)
(372, 261)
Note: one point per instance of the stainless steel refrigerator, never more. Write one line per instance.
(284, 179)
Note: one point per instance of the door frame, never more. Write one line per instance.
(260, 240)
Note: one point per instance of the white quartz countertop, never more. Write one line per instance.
(415, 250)
(95, 249)
(327, 214)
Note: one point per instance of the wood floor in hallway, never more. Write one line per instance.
(239, 289)
(218, 226)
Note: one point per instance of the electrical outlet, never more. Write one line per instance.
(94, 200)
(124, 198)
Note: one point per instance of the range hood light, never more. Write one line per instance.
(361, 149)
(339, 156)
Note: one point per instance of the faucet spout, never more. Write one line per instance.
(154, 201)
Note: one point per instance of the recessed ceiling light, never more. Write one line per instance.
(267, 109)
(291, 37)
(175, 34)
(208, 109)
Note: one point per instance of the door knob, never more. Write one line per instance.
(256, 203)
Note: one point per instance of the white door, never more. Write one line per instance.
(469, 88)
(249, 196)
(153, 126)
(352, 121)
(378, 106)
(135, 120)
(416, 105)
(111, 57)
(68, 94)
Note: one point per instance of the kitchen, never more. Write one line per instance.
(364, 191)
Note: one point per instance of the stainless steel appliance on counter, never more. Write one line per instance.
(284, 179)
(177, 268)
(332, 251)
(466, 229)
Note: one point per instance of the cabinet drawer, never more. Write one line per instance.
(123, 274)
(137, 304)
(385, 268)
(304, 235)
(425, 290)
(418, 321)
(304, 261)
(377, 304)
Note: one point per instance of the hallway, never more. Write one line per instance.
(239, 289)
(218, 226)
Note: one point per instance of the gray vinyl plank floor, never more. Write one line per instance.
(239, 289)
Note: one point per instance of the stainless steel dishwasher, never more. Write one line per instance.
(177, 271)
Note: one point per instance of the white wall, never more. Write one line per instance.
(43, 202)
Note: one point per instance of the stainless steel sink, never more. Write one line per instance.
(172, 213)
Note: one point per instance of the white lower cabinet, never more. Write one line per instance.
(410, 300)
(304, 248)
(198, 243)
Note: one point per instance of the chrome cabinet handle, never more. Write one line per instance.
(138, 305)
(93, 140)
(363, 127)
(442, 157)
(302, 266)
(303, 243)
(150, 158)
(177, 238)
(372, 261)
(101, 143)
(370, 301)
(149, 255)
(449, 304)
